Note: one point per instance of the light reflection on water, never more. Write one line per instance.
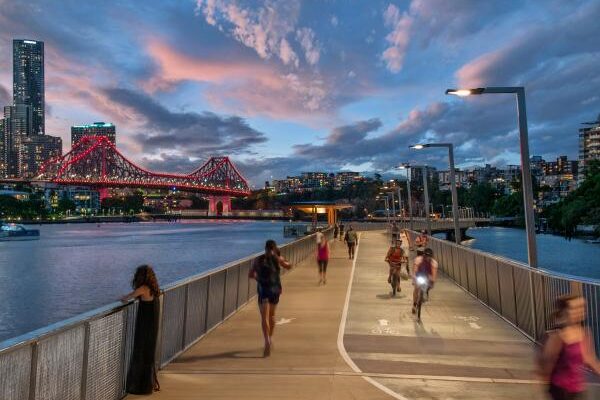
(78, 267)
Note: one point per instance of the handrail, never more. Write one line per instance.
(523, 296)
(97, 345)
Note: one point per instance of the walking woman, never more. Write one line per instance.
(141, 378)
(567, 350)
(323, 260)
(266, 269)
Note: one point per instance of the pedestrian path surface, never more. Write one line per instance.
(332, 343)
(460, 350)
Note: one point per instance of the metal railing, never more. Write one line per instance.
(87, 357)
(523, 296)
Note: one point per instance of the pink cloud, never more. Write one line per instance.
(250, 88)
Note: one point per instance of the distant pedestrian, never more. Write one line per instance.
(351, 240)
(341, 231)
(323, 260)
(567, 350)
(266, 269)
(319, 235)
(141, 378)
(336, 231)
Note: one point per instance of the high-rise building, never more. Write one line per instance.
(17, 124)
(34, 150)
(28, 80)
(3, 152)
(589, 145)
(95, 129)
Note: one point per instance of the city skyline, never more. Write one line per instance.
(322, 88)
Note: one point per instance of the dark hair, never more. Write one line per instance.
(562, 302)
(144, 275)
(428, 252)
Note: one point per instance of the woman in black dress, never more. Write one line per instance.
(141, 378)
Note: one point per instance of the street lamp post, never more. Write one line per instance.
(426, 194)
(519, 91)
(450, 146)
(406, 166)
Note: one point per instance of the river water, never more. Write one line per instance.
(75, 268)
(575, 257)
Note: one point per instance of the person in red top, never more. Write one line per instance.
(323, 260)
(567, 350)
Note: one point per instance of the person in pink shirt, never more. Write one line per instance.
(323, 260)
(568, 350)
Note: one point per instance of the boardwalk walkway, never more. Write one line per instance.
(461, 351)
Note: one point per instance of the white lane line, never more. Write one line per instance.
(340, 339)
(283, 321)
(383, 322)
(474, 325)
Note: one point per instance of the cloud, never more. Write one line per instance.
(241, 86)
(306, 37)
(573, 34)
(263, 29)
(398, 39)
(189, 134)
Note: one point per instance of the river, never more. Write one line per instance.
(575, 257)
(75, 268)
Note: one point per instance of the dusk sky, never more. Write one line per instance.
(290, 86)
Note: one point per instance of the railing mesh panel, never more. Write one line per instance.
(172, 323)
(14, 374)
(105, 354)
(231, 290)
(493, 285)
(216, 293)
(524, 317)
(59, 366)
(242, 296)
(196, 310)
(507, 291)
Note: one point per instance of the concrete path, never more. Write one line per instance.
(305, 361)
(341, 342)
(461, 350)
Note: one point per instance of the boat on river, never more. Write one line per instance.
(17, 232)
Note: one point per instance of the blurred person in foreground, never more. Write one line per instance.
(567, 350)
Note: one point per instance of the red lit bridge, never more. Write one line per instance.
(94, 161)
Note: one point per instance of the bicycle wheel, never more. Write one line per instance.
(419, 304)
(394, 284)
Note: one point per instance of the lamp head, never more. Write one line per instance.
(465, 92)
(418, 146)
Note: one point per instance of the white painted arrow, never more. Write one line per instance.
(383, 322)
(283, 321)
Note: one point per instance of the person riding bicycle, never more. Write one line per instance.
(395, 257)
(421, 242)
(426, 266)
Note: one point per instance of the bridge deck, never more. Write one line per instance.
(461, 351)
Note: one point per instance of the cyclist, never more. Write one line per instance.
(395, 257)
(421, 242)
(425, 265)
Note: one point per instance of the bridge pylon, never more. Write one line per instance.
(219, 205)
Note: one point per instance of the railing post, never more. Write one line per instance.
(33, 370)
(84, 365)
(185, 313)
(533, 312)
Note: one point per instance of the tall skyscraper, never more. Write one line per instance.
(95, 129)
(589, 145)
(28, 80)
(3, 153)
(17, 121)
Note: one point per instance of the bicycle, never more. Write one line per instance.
(422, 283)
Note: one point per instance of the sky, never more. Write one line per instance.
(288, 86)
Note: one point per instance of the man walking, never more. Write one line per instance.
(351, 240)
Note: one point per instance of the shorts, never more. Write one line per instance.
(351, 245)
(267, 295)
(322, 265)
